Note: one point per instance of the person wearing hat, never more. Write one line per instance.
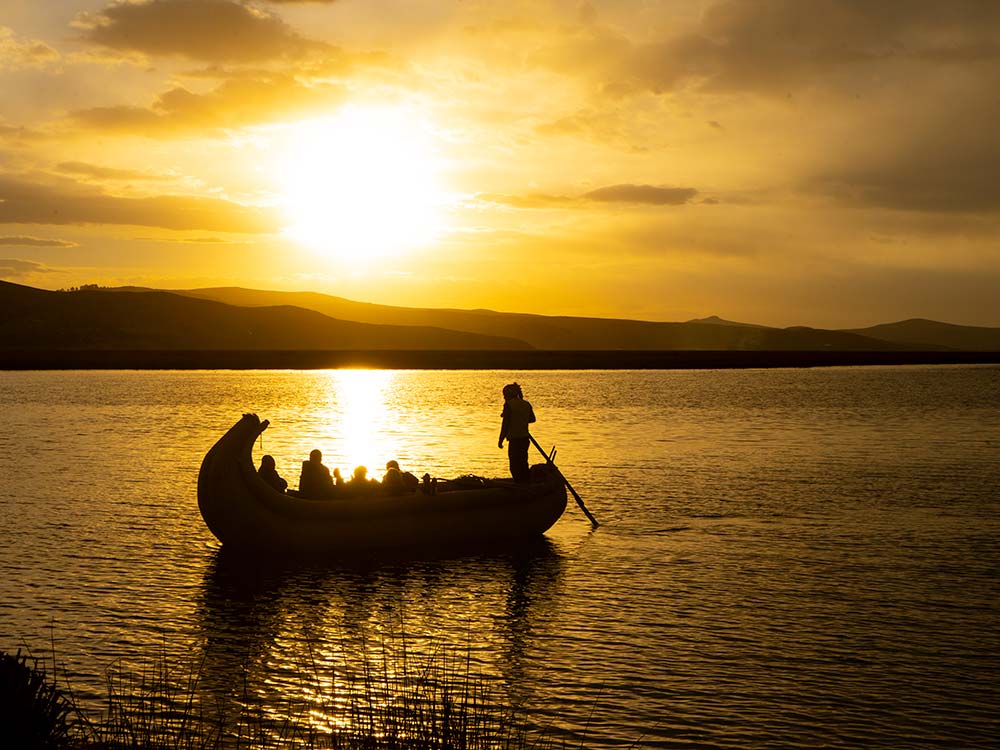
(516, 416)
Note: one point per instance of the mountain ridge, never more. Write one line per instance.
(566, 333)
(236, 318)
(918, 331)
(93, 319)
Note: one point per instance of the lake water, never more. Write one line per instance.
(787, 558)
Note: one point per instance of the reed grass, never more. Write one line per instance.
(34, 711)
(389, 701)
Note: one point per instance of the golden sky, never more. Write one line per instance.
(831, 163)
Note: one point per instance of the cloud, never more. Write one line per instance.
(649, 195)
(898, 97)
(207, 30)
(105, 173)
(774, 44)
(236, 102)
(638, 127)
(777, 46)
(24, 201)
(17, 52)
(26, 241)
(529, 200)
(645, 194)
(188, 240)
(121, 118)
(935, 153)
(14, 268)
(926, 183)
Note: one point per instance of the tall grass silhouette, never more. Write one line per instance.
(389, 701)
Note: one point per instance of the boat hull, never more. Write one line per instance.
(242, 511)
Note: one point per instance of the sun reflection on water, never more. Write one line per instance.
(360, 411)
(349, 415)
(373, 650)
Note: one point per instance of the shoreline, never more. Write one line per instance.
(473, 360)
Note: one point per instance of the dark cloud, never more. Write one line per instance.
(13, 268)
(208, 30)
(648, 194)
(26, 241)
(105, 173)
(23, 201)
(939, 158)
(773, 44)
(236, 102)
(933, 66)
(922, 184)
(777, 46)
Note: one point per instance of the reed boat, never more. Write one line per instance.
(244, 512)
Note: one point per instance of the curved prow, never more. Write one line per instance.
(222, 478)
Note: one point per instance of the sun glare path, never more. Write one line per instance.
(360, 401)
(361, 184)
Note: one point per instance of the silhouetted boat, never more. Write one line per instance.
(245, 512)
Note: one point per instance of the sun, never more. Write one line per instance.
(362, 184)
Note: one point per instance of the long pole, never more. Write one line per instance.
(576, 496)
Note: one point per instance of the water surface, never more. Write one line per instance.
(787, 558)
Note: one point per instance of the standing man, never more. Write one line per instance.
(517, 415)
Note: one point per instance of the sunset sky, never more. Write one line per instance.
(832, 163)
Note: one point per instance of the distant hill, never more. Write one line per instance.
(562, 333)
(918, 332)
(156, 320)
(235, 319)
(716, 320)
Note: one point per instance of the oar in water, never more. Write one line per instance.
(576, 496)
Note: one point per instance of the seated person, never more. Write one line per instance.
(396, 482)
(360, 483)
(392, 480)
(269, 474)
(315, 481)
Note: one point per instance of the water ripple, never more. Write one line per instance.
(786, 558)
